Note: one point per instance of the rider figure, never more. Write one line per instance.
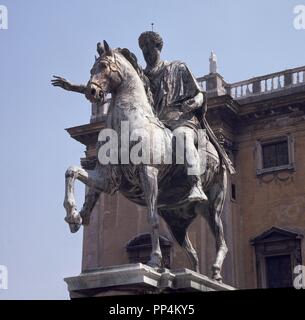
(176, 96)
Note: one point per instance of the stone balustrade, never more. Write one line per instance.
(267, 83)
(203, 83)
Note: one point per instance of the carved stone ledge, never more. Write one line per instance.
(138, 278)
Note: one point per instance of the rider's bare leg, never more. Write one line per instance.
(194, 166)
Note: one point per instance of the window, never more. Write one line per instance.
(277, 252)
(275, 154)
(278, 271)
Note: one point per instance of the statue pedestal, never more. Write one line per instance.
(138, 278)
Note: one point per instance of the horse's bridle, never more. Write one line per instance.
(113, 69)
(96, 84)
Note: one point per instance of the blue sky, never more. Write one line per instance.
(47, 37)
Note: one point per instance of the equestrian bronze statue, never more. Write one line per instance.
(160, 104)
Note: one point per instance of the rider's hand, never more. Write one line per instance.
(189, 106)
(194, 103)
(61, 82)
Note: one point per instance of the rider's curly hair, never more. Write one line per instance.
(151, 36)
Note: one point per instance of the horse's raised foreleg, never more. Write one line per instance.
(149, 184)
(217, 199)
(191, 252)
(87, 177)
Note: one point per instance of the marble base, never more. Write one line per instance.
(139, 278)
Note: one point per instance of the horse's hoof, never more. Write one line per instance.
(74, 227)
(217, 277)
(74, 218)
(216, 274)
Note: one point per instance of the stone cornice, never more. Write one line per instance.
(87, 133)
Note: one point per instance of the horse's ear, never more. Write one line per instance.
(100, 48)
(107, 49)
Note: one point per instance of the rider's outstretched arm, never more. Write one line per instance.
(65, 84)
(78, 88)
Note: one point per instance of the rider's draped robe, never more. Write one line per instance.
(172, 84)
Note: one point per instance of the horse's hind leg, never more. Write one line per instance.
(217, 195)
(191, 252)
(149, 183)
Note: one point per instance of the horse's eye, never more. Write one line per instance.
(103, 65)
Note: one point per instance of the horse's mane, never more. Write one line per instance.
(131, 57)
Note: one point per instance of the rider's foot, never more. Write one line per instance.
(197, 194)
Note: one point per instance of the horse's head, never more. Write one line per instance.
(105, 74)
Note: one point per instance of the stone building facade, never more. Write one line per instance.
(261, 123)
